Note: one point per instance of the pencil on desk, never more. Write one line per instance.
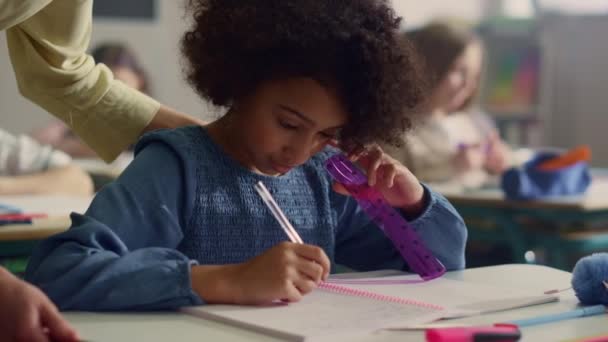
(277, 213)
(551, 318)
(22, 216)
(8, 219)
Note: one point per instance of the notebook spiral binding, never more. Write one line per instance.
(376, 296)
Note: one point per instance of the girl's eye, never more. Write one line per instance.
(287, 125)
(327, 135)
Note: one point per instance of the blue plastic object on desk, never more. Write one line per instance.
(529, 182)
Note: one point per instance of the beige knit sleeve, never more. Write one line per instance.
(52, 68)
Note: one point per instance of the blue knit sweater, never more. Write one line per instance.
(182, 200)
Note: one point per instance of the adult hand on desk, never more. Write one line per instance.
(286, 271)
(28, 315)
(397, 183)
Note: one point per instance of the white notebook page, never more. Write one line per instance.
(320, 315)
(457, 296)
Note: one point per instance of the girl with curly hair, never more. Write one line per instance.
(183, 224)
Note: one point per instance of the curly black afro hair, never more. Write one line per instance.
(351, 45)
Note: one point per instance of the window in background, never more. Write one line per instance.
(418, 13)
(528, 8)
(518, 8)
(574, 7)
(512, 74)
(120, 9)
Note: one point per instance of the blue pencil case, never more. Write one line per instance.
(528, 182)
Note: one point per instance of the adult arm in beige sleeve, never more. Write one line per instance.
(52, 68)
(13, 12)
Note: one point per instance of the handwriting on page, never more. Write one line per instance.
(323, 313)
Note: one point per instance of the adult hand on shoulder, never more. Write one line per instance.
(28, 315)
(169, 118)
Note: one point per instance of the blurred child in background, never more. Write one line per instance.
(26, 167)
(454, 142)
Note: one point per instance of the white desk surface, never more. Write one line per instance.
(153, 327)
(57, 207)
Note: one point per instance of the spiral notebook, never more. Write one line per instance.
(336, 311)
(330, 312)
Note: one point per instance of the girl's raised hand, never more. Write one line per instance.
(387, 175)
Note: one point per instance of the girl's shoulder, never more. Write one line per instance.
(181, 137)
(188, 144)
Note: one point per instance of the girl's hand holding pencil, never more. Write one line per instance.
(300, 268)
(288, 271)
(285, 272)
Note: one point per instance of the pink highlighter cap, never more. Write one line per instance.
(397, 229)
(495, 333)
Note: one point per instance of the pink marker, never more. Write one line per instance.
(496, 332)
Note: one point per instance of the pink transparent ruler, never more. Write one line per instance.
(418, 257)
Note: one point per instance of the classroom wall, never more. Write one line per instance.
(574, 76)
(416, 13)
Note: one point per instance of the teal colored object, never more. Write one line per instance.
(576, 313)
(15, 254)
(560, 234)
(15, 265)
